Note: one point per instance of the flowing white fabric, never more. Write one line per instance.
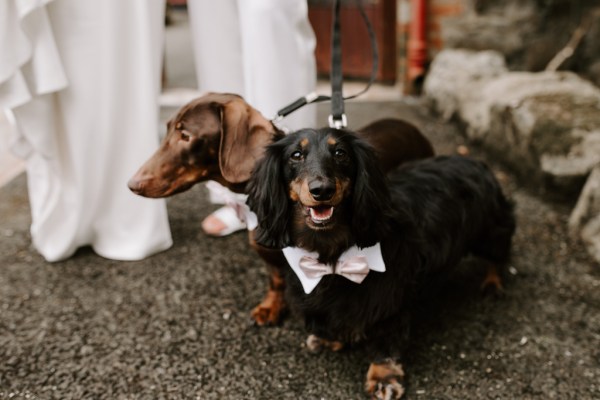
(81, 78)
(351, 264)
(262, 50)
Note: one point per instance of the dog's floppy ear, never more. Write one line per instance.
(245, 133)
(267, 197)
(371, 197)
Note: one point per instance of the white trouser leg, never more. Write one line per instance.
(278, 44)
(217, 45)
(262, 50)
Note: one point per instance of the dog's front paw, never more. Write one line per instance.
(383, 380)
(492, 283)
(271, 309)
(315, 344)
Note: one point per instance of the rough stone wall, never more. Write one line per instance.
(529, 33)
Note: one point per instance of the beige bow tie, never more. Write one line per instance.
(354, 264)
(354, 268)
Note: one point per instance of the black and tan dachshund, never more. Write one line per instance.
(362, 246)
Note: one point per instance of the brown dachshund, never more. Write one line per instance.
(220, 137)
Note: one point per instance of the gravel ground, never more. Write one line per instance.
(177, 326)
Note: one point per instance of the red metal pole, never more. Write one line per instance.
(417, 41)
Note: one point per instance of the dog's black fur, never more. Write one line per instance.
(426, 215)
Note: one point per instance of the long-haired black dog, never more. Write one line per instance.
(323, 192)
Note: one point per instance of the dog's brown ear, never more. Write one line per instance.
(245, 134)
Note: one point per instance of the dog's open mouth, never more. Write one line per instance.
(320, 215)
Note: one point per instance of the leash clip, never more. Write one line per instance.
(290, 108)
(338, 123)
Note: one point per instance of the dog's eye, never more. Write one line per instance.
(185, 136)
(339, 153)
(296, 156)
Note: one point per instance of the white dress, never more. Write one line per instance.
(81, 80)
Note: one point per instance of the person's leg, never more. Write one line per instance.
(217, 45)
(278, 46)
(218, 60)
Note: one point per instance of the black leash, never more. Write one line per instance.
(337, 119)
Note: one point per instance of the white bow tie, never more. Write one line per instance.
(354, 264)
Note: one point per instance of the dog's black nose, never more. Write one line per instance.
(321, 190)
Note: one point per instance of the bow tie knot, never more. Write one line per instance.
(354, 268)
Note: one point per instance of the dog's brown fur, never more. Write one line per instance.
(220, 137)
(215, 137)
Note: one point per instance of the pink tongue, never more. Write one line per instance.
(322, 212)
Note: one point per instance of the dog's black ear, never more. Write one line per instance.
(267, 197)
(371, 197)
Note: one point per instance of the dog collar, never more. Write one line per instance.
(354, 264)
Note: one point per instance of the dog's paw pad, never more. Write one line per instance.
(391, 390)
(315, 344)
(492, 283)
(383, 380)
(271, 310)
(264, 316)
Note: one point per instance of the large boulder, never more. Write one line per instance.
(585, 217)
(546, 125)
(454, 85)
